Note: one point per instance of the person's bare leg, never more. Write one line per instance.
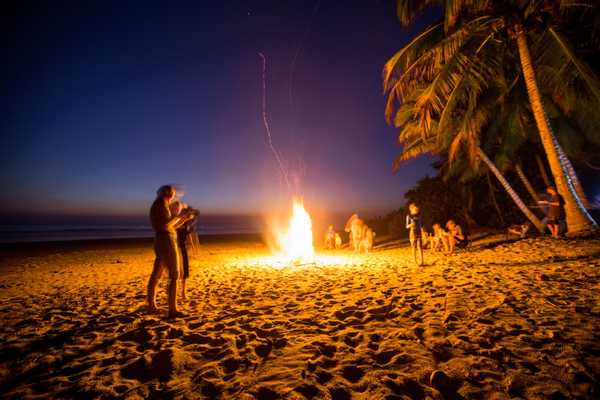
(183, 289)
(153, 283)
(420, 246)
(173, 263)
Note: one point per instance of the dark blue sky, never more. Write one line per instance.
(102, 105)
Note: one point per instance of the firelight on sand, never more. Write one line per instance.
(296, 244)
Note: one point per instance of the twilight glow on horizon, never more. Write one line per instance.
(104, 105)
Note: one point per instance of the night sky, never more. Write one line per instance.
(103, 105)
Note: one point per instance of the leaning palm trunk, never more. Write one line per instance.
(526, 182)
(573, 177)
(513, 195)
(578, 219)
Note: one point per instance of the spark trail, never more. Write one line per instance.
(276, 153)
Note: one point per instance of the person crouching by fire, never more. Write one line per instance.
(165, 247)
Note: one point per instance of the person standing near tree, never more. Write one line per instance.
(554, 203)
(165, 248)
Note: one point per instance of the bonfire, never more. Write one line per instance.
(296, 243)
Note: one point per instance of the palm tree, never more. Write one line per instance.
(462, 140)
(469, 47)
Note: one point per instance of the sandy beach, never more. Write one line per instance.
(501, 320)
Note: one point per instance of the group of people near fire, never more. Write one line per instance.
(446, 237)
(360, 236)
(173, 223)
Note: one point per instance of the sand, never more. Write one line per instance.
(499, 321)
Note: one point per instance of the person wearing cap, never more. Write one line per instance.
(165, 247)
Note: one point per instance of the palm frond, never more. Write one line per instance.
(583, 70)
(408, 10)
(407, 52)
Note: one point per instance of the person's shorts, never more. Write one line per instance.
(165, 248)
(551, 221)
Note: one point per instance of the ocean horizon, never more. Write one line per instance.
(88, 228)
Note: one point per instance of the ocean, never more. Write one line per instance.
(93, 228)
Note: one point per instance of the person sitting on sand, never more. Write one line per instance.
(165, 247)
(455, 235)
(520, 230)
(415, 226)
(426, 237)
(330, 238)
(439, 239)
(183, 233)
(554, 203)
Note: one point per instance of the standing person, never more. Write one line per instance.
(554, 203)
(354, 226)
(165, 248)
(338, 241)
(183, 233)
(414, 224)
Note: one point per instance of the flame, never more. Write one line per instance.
(296, 244)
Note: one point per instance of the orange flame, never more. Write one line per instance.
(296, 243)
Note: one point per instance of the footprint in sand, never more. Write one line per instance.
(265, 393)
(339, 393)
(308, 391)
(352, 373)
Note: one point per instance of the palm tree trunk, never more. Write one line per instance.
(526, 182)
(540, 164)
(578, 219)
(513, 195)
(573, 177)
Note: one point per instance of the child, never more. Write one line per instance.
(426, 237)
(415, 226)
(439, 238)
(330, 238)
(338, 241)
(455, 235)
